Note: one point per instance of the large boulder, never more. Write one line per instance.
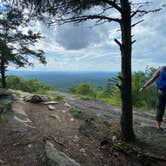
(57, 158)
(6, 99)
(36, 98)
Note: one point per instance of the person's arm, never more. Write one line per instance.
(151, 80)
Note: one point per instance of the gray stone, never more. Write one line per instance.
(51, 108)
(58, 158)
(36, 98)
(67, 105)
(50, 102)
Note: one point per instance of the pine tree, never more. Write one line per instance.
(15, 45)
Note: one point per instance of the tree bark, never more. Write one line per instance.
(3, 77)
(126, 88)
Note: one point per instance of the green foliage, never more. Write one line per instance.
(148, 97)
(84, 91)
(55, 96)
(51, 96)
(32, 86)
(111, 93)
(110, 89)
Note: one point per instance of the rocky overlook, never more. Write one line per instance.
(72, 132)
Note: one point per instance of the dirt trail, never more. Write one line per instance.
(24, 132)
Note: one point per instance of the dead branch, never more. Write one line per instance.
(118, 42)
(137, 23)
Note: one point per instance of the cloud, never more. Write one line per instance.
(70, 47)
(76, 37)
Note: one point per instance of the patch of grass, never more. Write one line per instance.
(85, 97)
(55, 97)
(78, 114)
(51, 96)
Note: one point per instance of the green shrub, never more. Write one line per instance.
(32, 86)
(83, 89)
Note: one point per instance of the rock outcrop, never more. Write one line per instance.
(36, 98)
(58, 158)
(6, 99)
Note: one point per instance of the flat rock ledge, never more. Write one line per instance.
(55, 157)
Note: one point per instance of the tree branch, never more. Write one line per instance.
(78, 19)
(118, 42)
(137, 23)
(133, 41)
(113, 4)
(144, 12)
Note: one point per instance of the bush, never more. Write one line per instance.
(32, 86)
(83, 89)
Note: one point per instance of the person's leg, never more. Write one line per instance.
(160, 109)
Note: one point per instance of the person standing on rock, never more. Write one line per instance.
(160, 75)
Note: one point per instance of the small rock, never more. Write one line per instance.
(67, 105)
(64, 111)
(56, 117)
(50, 102)
(2, 162)
(29, 146)
(21, 120)
(51, 108)
(114, 138)
(82, 150)
(71, 119)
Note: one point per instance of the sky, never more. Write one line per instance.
(92, 48)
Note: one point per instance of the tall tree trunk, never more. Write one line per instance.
(3, 77)
(126, 89)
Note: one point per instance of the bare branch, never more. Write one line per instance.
(141, 13)
(118, 42)
(133, 41)
(78, 19)
(137, 23)
(113, 4)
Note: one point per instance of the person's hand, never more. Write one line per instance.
(141, 89)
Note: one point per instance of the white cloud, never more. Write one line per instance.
(84, 48)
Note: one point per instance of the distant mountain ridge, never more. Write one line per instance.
(63, 80)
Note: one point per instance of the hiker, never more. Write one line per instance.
(160, 75)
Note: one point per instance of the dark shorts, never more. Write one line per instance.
(161, 105)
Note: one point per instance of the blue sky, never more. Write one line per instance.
(77, 48)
